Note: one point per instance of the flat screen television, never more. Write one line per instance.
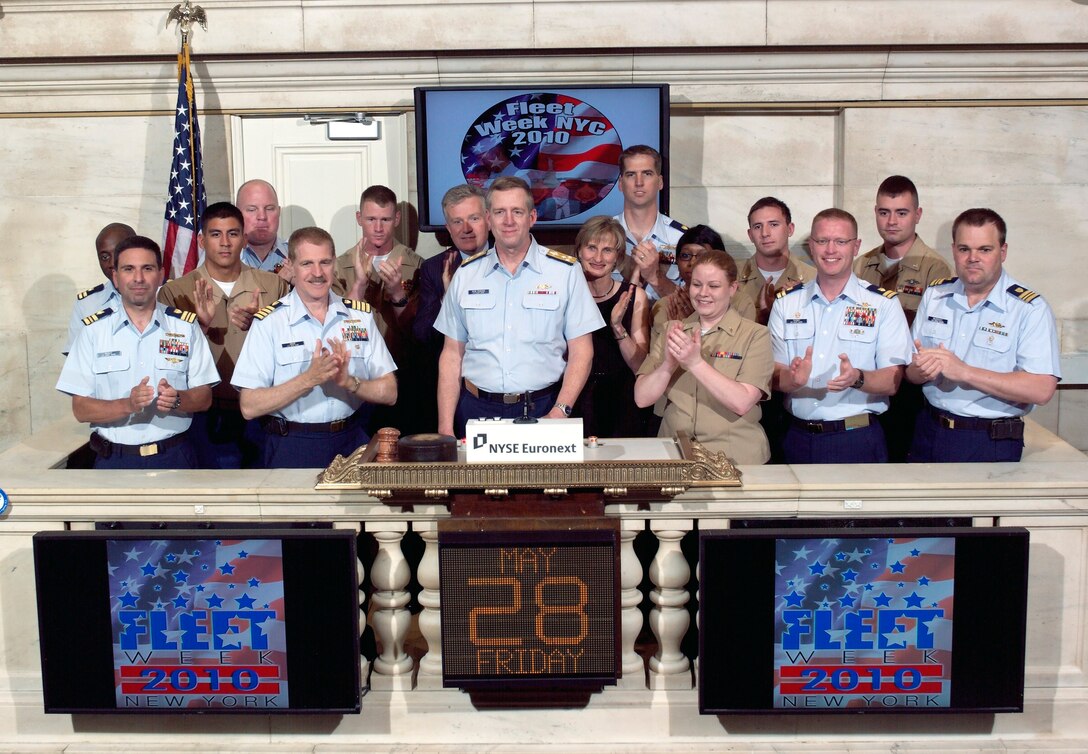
(862, 620)
(565, 141)
(243, 621)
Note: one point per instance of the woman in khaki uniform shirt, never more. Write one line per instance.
(714, 368)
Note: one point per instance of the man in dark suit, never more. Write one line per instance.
(466, 221)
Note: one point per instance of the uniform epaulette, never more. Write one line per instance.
(1022, 293)
(474, 257)
(100, 314)
(678, 226)
(564, 258)
(943, 281)
(787, 291)
(181, 314)
(882, 291)
(358, 305)
(84, 294)
(262, 313)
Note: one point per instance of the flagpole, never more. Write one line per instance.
(185, 196)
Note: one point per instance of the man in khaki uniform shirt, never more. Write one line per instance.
(905, 264)
(385, 273)
(225, 294)
(902, 263)
(772, 269)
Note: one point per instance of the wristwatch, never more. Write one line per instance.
(859, 381)
(177, 403)
(564, 408)
(355, 386)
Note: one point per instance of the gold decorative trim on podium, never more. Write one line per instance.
(618, 479)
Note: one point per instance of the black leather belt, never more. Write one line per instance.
(105, 448)
(948, 420)
(276, 425)
(510, 398)
(815, 427)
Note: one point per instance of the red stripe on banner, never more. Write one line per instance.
(859, 679)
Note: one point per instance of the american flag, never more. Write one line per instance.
(187, 198)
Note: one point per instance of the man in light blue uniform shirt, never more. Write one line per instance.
(138, 373)
(840, 348)
(518, 321)
(987, 352)
(651, 236)
(102, 295)
(312, 364)
(264, 249)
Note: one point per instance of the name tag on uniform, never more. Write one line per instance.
(293, 344)
(107, 354)
(479, 291)
(937, 320)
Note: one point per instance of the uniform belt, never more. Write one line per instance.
(277, 425)
(147, 449)
(815, 427)
(948, 420)
(510, 398)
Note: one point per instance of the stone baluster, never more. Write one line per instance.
(430, 619)
(634, 670)
(390, 575)
(669, 620)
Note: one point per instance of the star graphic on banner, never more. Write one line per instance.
(855, 556)
(941, 629)
(840, 556)
(148, 569)
(846, 601)
(180, 577)
(850, 588)
(801, 554)
(159, 605)
(215, 601)
(243, 554)
(160, 572)
(882, 600)
(916, 552)
(274, 630)
(183, 588)
(132, 554)
(831, 542)
(128, 599)
(793, 599)
(230, 638)
(200, 587)
(181, 110)
(849, 575)
(515, 152)
(868, 587)
(180, 602)
(226, 569)
(816, 568)
(893, 638)
(254, 582)
(186, 557)
(823, 604)
(923, 581)
(835, 635)
(898, 567)
(245, 602)
(112, 569)
(913, 600)
(173, 635)
(778, 568)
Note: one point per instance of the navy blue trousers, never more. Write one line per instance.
(471, 407)
(936, 444)
(861, 445)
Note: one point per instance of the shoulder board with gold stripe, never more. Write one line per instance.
(1022, 293)
(361, 306)
(943, 281)
(100, 314)
(874, 288)
(678, 226)
(787, 291)
(84, 294)
(181, 314)
(474, 257)
(560, 256)
(262, 313)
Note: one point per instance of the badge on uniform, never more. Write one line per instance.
(913, 287)
(174, 344)
(994, 328)
(860, 316)
(726, 355)
(543, 290)
(354, 332)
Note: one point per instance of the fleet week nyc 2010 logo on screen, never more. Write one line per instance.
(198, 623)
(863, 623)
(565, 149)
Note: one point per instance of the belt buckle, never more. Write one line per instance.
(151, 449)
(947, 421)
(511, 398)
(815, 427)
(337, 425)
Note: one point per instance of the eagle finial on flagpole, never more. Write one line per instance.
(185, 14)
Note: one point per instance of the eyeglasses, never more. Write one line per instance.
(840, 243)
(685, 256)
